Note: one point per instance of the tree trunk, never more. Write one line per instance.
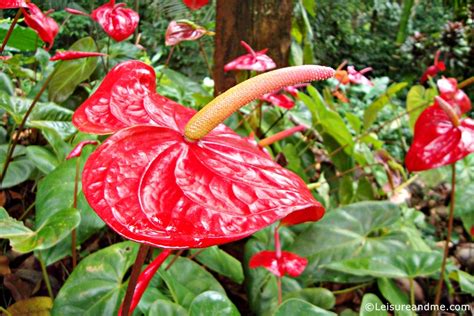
(260, 23)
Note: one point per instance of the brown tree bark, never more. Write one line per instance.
(261, 23)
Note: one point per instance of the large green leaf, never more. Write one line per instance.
(42, 158)
(393, 294)
(69, 74)
(22, 38)
(317, 296)
(372, 306)
(357, 230)
(46, 235)
(212, 303)
(465, 280)
(6, 84)
(221, 262)
(186, 279)
(97, 285)
(407, 264)
(166, 308)
(55, 192)
(297, 307)
(19, 169)
(418, 99)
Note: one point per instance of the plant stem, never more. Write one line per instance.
(176, 256)
(278, 256)
(16, 138)
(448, 237)
(466, 83)
(107, 57)
(197, 253)
(10, 30)
(166, 62)
(351, 289)
(136, 269)
(74, 205)
(412, 291)
(206, 60)
(4, 311)
(45, 276)
(282, 115)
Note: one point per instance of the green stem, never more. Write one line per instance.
(10, 30)
(351, 289)
(282, 115)
(412, 291)
(176, 256)
(23, 123)
(45, 276)
(168, 59)
(107, 57)
(206, 60)
(74, 205)
(4, 311)
(448, 237)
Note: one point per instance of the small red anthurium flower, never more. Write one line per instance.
(433, 70)
(75, 12)
(69, 55)
(278, 99)
(12, 4)
(184, 30)
(448, 90)
(45, 26)
(256, 61)
(441, 138)
(195, 4)
(116, 20)
(287, 264)
(77, 151)
(358, 77)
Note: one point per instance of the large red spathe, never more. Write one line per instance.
(152, 186)
(12, 4)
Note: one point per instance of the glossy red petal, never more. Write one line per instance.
(357, 77)
(12, 4)
(152, 186)
(179, 31)
(195, 4)
(299, 217)
(77, 151)
(119, 100)
(256, 61)
(75, 12)
(70, 55)
(45, 26)
(118, 22)
(437, 142)
(278, 99)
(289, 263)
(448, 90)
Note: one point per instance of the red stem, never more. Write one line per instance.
(10, 30)
(143, 281)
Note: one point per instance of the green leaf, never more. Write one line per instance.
(69, 74)
(212, 303)
(370, 114)
(39, 306)
(317, 296)
(96, 285)
(42, 158)
(186, 279)
(166, 308)
(465, 280)
(52, 231)
(372, 306)
(418, 99)
(297, 307)
(358, 230)
(22, 38)
(393, 294)
(354, 121)
(221, 262)
(407, 264)
(19, 169)
(6, 84)
(294, 161)
(55, 192)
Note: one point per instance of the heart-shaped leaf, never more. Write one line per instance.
(299, 307)
(212, 303)
(20, 168)
(221, 262)
(97, 285)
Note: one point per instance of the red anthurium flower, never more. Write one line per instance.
(69, 55)
(77, 151)
(75, 12)
(12, 4)
(440, 139)
(256, 61)
(195, 4)
(289, 263)
(448, 90)
(433, 70)
(472, 231)
(45, 26)
(183, 30)
(293, 90)
(5, 57)
(358, 77)
(278, 99)
(154, 185)
(118, 22)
